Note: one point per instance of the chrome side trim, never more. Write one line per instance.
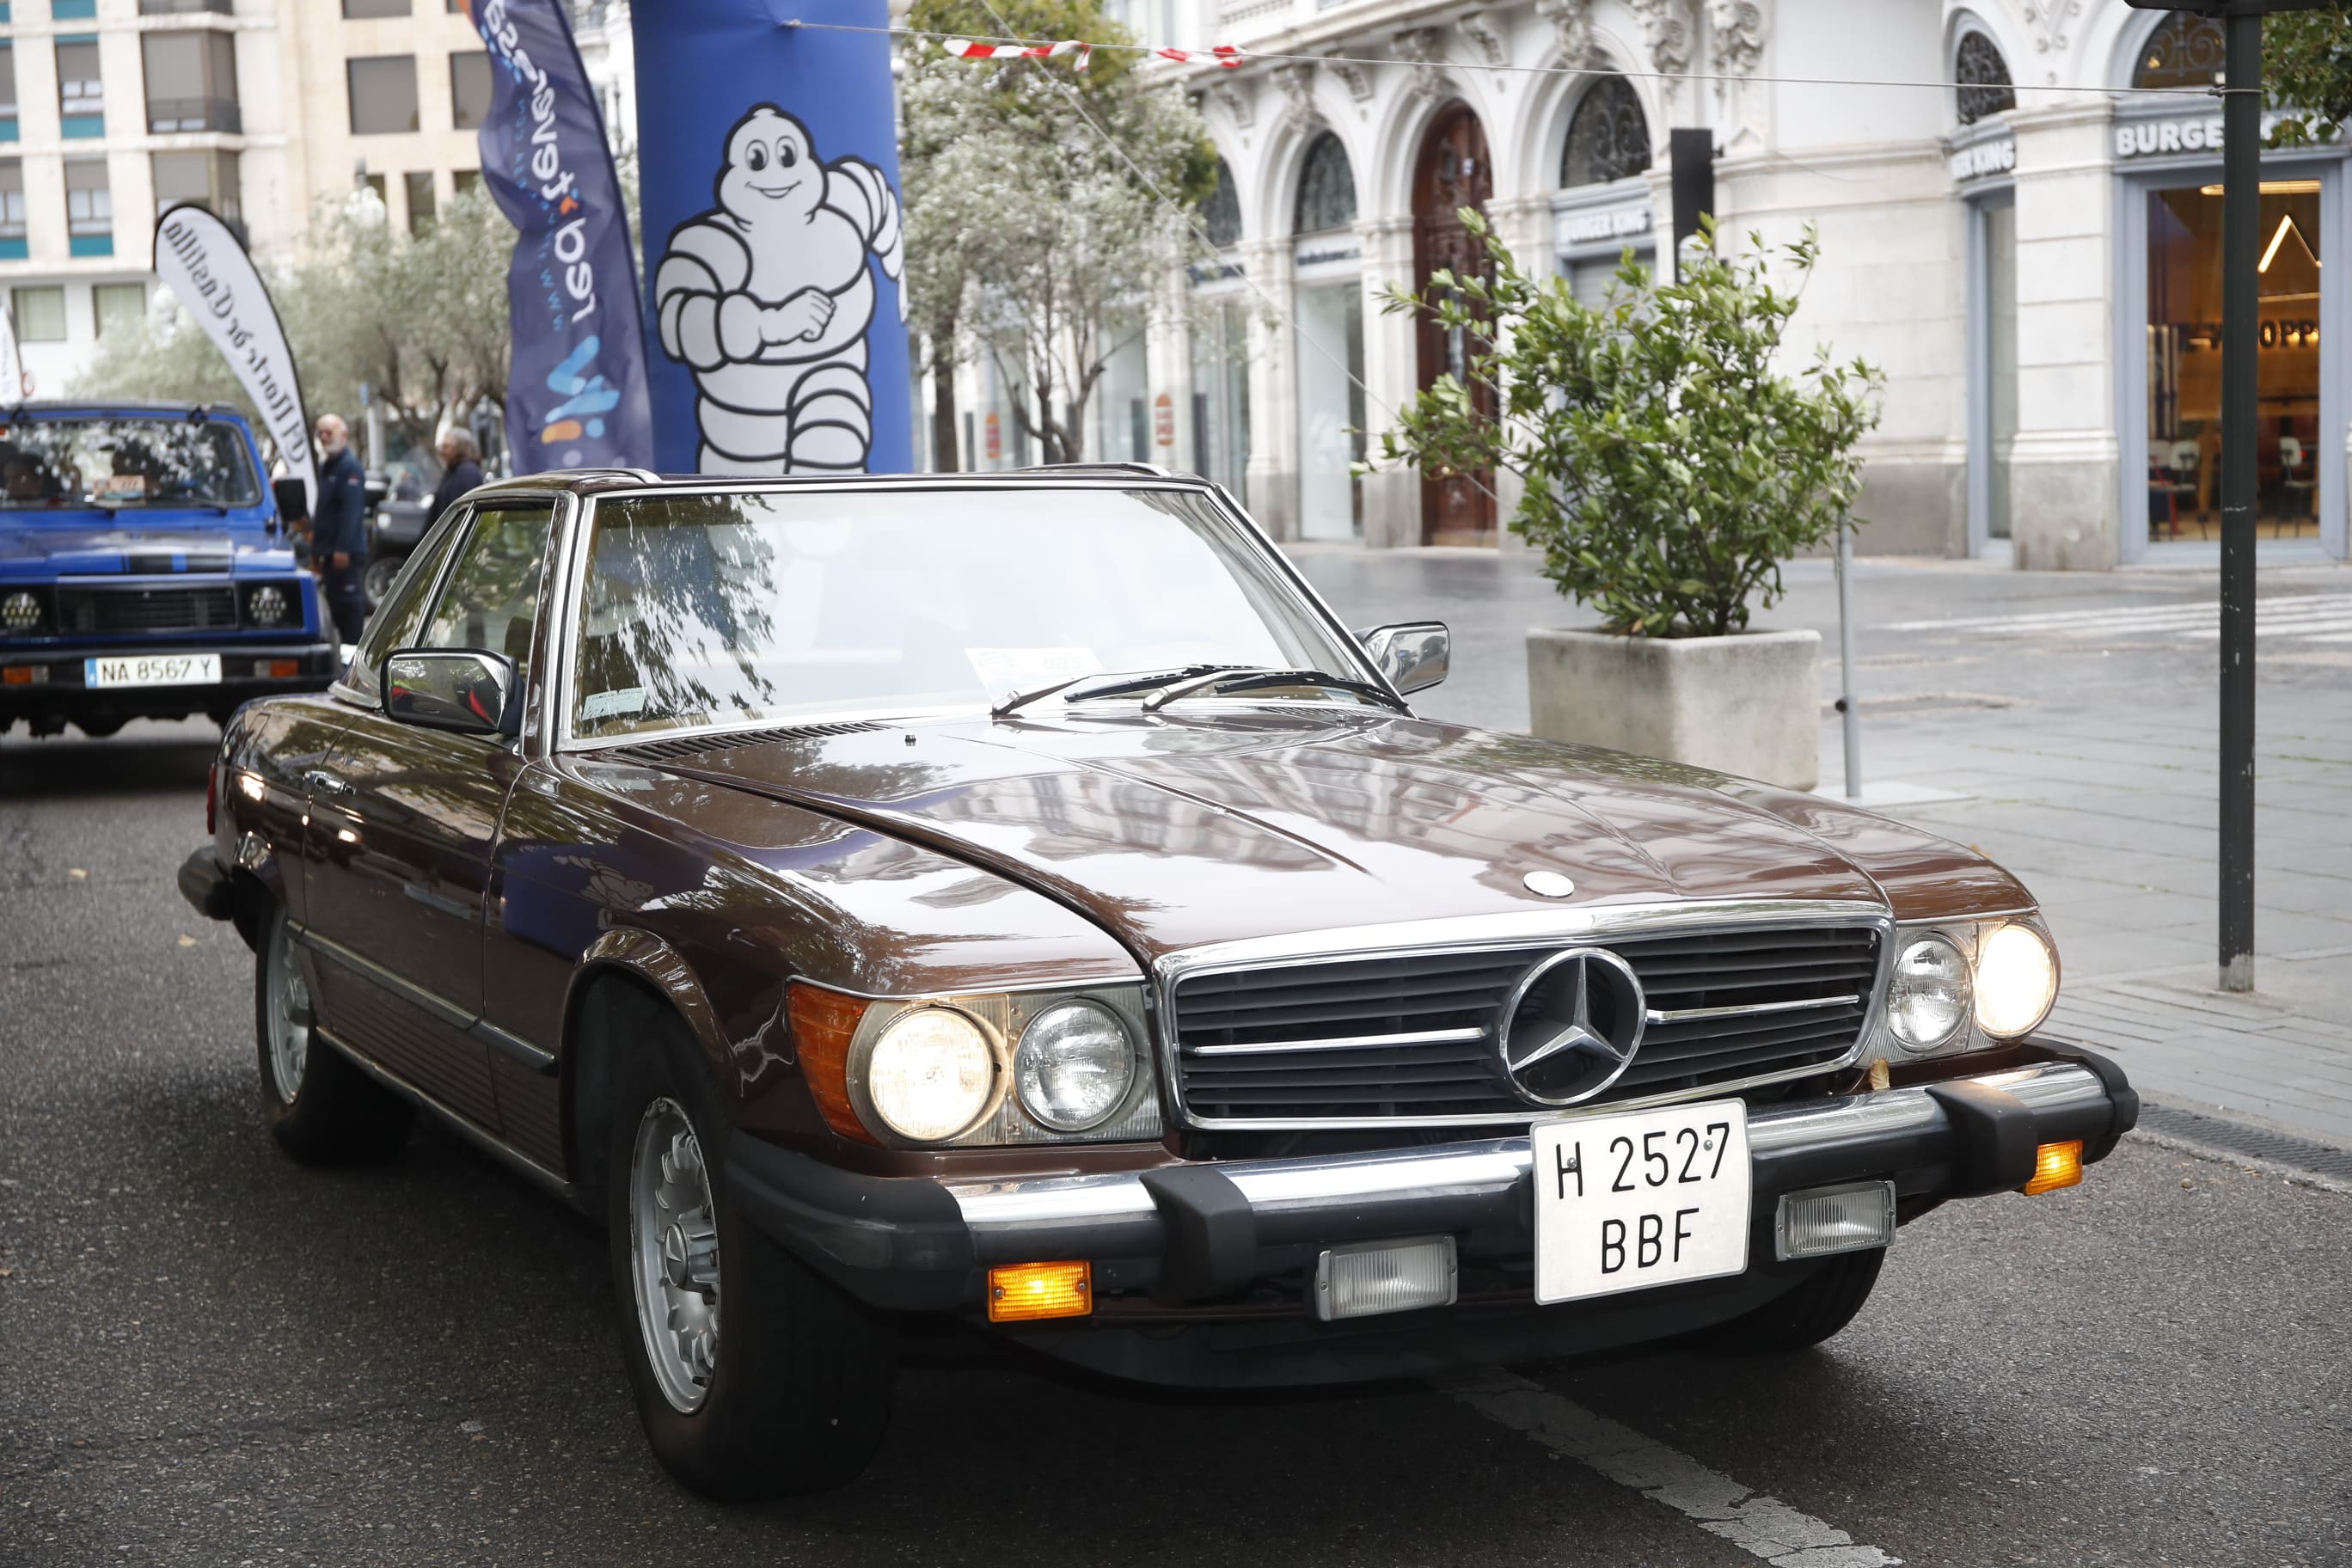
(1351, 1042)
(1596, 925)
(1486, 1168)
(1690, 1015)
(473, 1023)
(480, 1137)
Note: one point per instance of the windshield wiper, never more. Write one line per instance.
(1114, 683)
(1244, 679)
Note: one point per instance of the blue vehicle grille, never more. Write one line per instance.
(83, 611)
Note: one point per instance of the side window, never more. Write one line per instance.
(492, 598)
(393, 624)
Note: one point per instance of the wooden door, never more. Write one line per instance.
(1452, 173)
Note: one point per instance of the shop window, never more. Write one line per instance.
(1326, 188)
(2184, 362)
(1608, 137)
(191, 81)
(206, 180)
(1221, 210)
(40, 314)
(90, 208)
(81, 92)
(420, 201)
(1221, 401)
(1983, 76)
(469, 88)
(384, 94)
(13, 246)
(1332, 423)
(118, 307)
(2185, 50)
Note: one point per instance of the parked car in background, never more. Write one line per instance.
(1017, 899)
(145, 569)
(397, 503)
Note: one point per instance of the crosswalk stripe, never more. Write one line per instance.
(2288, 608)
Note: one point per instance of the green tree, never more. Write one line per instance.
(1670, 464)
(2307, 69)
(1029, 236)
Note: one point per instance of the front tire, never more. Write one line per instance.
(793, 1394)
(1823, 1303)
(319, 1107)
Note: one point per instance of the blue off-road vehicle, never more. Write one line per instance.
(147, 571)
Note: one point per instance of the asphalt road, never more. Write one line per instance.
(209, 1355)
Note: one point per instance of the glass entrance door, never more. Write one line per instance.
(2184, 363)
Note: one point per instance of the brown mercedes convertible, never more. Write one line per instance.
(1018, 899)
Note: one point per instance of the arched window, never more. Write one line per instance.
(2185, 50)
(1608, 137)
(1326, 188)
(1221, 210)
(1983, 77)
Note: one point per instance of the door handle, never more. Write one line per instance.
(326, 783)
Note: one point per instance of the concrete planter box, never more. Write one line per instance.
(1748, 704)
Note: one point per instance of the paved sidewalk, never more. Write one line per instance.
(2065, 723)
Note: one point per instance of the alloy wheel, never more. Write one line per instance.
(674, 1246)
(288, 1017)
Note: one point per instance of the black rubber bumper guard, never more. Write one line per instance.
(1193, 1233)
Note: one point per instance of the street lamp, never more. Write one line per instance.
(2241, 90)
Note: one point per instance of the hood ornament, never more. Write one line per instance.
(1571, 1026)
(1548, 884)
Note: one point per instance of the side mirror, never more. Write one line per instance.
(465, 689)
(1414, 656)
(293, 501)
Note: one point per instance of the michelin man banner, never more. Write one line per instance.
(576, 393)
(777, 339)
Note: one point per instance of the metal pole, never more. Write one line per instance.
(1845, 663)
(2242, 115)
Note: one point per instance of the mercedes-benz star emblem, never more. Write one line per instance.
(1571, 1026)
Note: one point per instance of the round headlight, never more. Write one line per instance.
(1074, 1065)
(2017, 980)
(1928, 1002)
(266, 605)
(930, 1075)
(20, 611)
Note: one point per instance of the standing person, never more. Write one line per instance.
(339, 531)
(461, 467)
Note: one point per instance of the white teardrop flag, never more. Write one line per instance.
(200, 257)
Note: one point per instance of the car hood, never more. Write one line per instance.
(1173, 833)
(156, 546)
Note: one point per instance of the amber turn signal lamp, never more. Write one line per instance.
(2055, 1166)
(19, 675)
(1030, 1291)
(824, 1022)
(285, 668)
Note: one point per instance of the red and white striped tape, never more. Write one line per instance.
(1225, 55)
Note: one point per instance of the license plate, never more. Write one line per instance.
(153, 669)
(1641, 1199)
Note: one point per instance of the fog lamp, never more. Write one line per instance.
(1927, 1003)
(1027, 1291)
(2017, 981)
(931, 1074)
(1818, 1221)
(20, 611)
(2056, 1166)
(1365, 1278)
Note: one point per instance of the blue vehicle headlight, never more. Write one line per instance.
(23, 610)
(269, 604)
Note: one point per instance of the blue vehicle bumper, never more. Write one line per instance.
(48, 687)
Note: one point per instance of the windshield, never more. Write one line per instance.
(151, 460)
(728, 609)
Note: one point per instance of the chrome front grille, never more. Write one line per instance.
(1411, 1037)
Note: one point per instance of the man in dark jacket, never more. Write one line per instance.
(338, 529)
(461, 471)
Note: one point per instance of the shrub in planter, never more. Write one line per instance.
(1670, 464)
